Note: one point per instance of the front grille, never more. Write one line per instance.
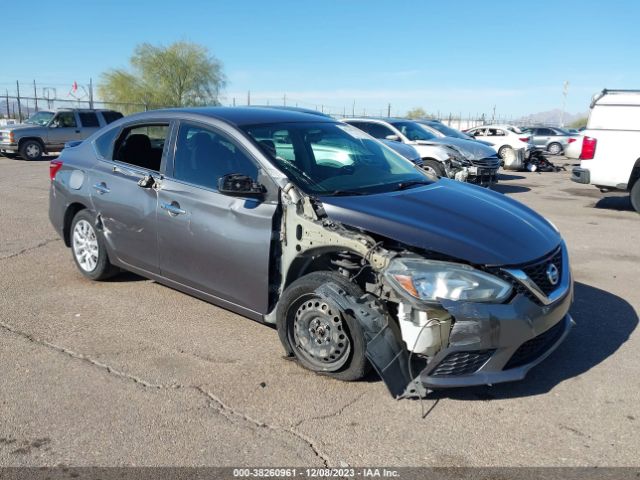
(532, 349)
(489, 162)
(462, 363)
(537, 272)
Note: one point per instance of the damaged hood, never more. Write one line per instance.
(452, 218)
(470, 149)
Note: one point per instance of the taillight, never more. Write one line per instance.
(588, 148)
(571, 140)
(524, 139)
(54, 166)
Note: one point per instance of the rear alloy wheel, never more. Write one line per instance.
(323, 339)
(88, 248)
(434, 167)
(554, 148)
(31, 150)
(635, 196)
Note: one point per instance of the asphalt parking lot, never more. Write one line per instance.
(129, 372)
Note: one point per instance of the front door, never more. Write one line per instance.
(214, 243)
(63, 128)
(124, 201)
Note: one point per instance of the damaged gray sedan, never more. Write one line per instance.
(357, 256)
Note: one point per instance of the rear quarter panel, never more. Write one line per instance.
(616, 154)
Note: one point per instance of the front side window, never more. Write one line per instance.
(64, 120)
(413, 131)
(377, 130)
(334, 158)
(142, 145)
(40, 118)
(203, 156)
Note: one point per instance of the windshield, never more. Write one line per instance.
(40, 118)
(448, 131)
(413, 131)
(335, 159)
(515, 130)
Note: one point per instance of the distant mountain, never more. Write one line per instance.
(550, 117)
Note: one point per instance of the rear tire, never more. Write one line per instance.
(554, 149)
(313, 333)
(435, 167)
(635, 196)
(88, 248)
(31, 150)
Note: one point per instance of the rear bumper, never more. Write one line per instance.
(498, 343)
(580, 175)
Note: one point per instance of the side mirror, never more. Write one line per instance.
(393, 138)
(238, 185)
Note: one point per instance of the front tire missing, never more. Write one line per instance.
(322, 340)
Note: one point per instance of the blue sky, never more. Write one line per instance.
(447, 56)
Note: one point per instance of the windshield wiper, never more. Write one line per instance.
(345, 193)
(412, 183)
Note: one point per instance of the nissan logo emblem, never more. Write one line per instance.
(553, 274)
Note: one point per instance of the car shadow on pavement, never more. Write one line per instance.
(603, 323)
(502, 188)
(508, 176)
(620, 203)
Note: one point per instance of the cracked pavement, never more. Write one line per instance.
(129, 372)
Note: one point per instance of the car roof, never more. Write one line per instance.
(241, 116)
(391, 120)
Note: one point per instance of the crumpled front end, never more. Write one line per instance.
(474, 343)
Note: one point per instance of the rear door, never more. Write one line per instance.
(124, 193)
(214, 243)
(89, 123)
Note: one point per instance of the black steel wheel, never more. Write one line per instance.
(322, 339)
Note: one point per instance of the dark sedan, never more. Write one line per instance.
(356, 255)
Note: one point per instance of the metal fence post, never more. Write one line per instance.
(19, 106)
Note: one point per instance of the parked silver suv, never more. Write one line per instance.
(48, 131)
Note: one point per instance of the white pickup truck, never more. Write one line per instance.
(609, 152)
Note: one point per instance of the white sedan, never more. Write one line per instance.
(506, 139)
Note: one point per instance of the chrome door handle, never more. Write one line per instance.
(101, 188)
(173, 208)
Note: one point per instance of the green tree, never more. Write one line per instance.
(579, 123)
(417, 112)
(181, 74)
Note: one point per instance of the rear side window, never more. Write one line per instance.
(110, 116)
(142, 145)
(104, 143)
(88, 119)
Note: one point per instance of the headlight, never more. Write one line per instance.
(431, 280)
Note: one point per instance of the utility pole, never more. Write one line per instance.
(248, 97)
(91, 93)
(35, 94)
(493, 117)
(234, 101)
(19, 107)
(388, 110)
(8, 112)
(353, 109)
(565, 91)
(284, 100)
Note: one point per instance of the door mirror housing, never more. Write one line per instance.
(238, 185)
(393, 138)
